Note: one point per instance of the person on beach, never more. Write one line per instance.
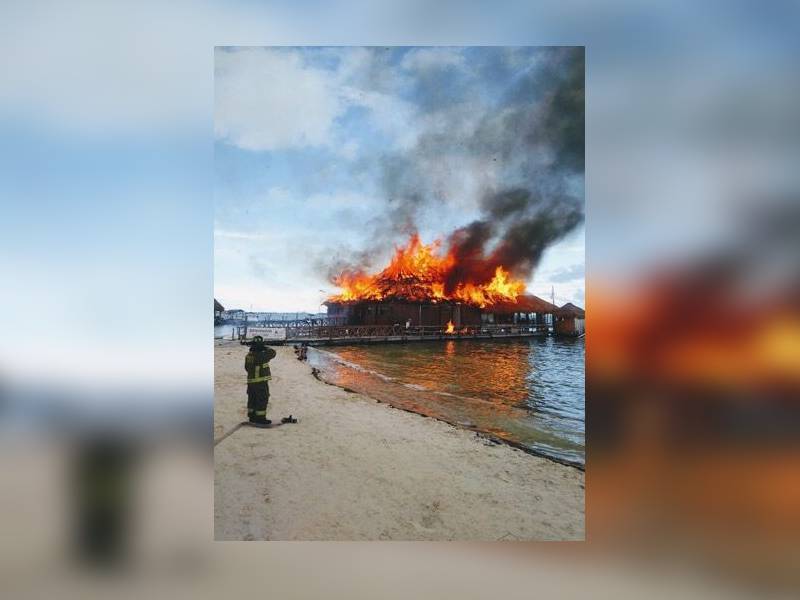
(256, 363)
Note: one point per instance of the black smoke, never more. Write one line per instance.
(522, 146)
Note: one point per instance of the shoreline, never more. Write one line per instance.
(355, 468)
(479, 433)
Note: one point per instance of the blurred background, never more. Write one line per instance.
(693, 137)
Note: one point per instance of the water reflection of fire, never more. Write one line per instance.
(422, 273)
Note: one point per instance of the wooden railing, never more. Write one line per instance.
(300, 332)
(290, 323)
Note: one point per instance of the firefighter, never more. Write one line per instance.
(256, 363)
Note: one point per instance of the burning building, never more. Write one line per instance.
(522, 184)
(422, 286)
(401, 312)
(526, 309)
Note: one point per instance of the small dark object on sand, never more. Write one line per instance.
(269, 424)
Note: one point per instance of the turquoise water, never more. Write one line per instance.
(526, 391)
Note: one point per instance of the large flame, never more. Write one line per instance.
(418, 272)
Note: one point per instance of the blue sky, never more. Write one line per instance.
(302, 139)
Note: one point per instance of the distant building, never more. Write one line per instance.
(570, 320)
(236, 314)
(218, 310)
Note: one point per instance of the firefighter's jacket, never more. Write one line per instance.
(256, 363)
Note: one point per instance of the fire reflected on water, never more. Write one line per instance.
(527, 392)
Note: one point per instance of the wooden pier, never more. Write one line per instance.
(328, 335)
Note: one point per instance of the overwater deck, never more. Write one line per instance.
(328, 335)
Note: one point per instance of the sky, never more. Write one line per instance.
(306, 140)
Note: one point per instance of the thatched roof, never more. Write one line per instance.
(217, 306)
(527, 303)
(570, 310)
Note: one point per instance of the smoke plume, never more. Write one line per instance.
(506, 139)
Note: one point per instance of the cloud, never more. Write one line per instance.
(341, 199)
(388, 114)
(423, 59)
(570, 273)
(239, 235)
(260, 268)
(268, 99)
(348, 150)
(282, 98)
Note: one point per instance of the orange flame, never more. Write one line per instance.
(418, 272)
(450, 327)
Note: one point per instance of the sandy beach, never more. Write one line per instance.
(355, 469)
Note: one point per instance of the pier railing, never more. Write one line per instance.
(322, 332)
(285, 322)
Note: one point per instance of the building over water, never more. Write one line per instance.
(399, 312)
(527, 309)
(570, 320)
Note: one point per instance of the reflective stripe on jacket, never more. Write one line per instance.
(260, 373)
(257, 366)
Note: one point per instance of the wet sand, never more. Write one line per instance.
(354, 469)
